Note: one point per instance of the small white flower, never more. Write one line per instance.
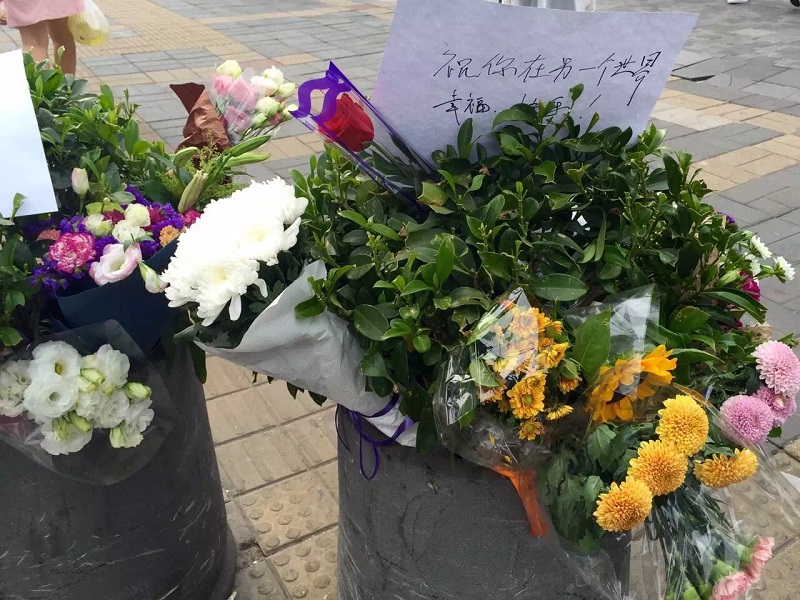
(50, 397)
(275, 74)
(152, 281)
(263, 86)
(113, 364)
(782, 265)
(66, 438)
(137, 215)
(80, 182)
(759, 247)
(129, 434)
(230, 68)
(124, 231)
(285, 91)
(14, 380)
(268, 107)
(55, 358)
(110, 410)
(755, 264)
(98, 225)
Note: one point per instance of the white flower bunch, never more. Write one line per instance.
(219, 258)
(71, 395)
(756, 251)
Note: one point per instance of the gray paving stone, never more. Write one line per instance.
(728, 81)
(790, 77)
(767, 103)
(744, 215)
(756, 70)
(772, 90)
(704, 144)
(789, 247)
(774, 229)
(755, 136)
(702, 88)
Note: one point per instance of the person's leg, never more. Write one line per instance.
(35, 40)
(62, 37)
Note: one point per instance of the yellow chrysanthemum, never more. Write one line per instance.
(559, 412)
(624, 507)
(504, 405)
(551, 356)
(659, 363)
(510, 363)
(568, 385)
(527, 397)
(491, 395)
(722, 471)
(168, 233)
(660, 466)
(530, 430)
(683, 423)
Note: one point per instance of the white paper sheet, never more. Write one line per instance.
(23, 167)
(449, 60)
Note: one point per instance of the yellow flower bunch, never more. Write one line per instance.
(648, 373)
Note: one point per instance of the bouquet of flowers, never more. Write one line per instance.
(250, 105)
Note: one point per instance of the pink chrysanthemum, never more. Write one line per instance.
(748, 420)
(782, 407)
(732, 587)
(779, 367)
(761, 554)
(72, 250)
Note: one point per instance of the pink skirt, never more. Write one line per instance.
(29, 12)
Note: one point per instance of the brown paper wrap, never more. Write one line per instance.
(203, 127)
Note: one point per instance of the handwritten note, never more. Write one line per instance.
(450, 60)
(23, 167)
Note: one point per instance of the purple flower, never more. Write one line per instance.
(101, 244)
(748, 420)
(148, 249)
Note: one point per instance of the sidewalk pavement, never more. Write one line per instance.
(733, 102)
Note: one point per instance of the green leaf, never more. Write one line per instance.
(547, 169)
(522, 113)
(310, 308)
(384, 230)
(9, 336)
(741, 299)
(415, 287)
(559, 200)
(591, 490)
(422, 343)
(432, 195)
(688, 319)
(481, 374)
(559, 287)
(355, 217)
(465, 296)
(370, 322)
(598, 444)
(445, 259)
(674, 175)
(687, 356)
(593, 344)
(465, 139)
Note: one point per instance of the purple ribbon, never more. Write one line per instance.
(358, 420)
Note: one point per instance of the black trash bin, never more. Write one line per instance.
(160, 534)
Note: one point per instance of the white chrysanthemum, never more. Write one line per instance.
(782, 265)
(67, 440)
(57, 359)
(113, 364)
(759, 247)
(14, 380)
(110, 410)
(755, 264)
(129, 434)
(219, 257)
(49, 397)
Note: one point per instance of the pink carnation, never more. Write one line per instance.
(190, 216)
(732, 587)
(782, 407)
(748, 420)
(750, 285)
(779, 367)
(72, 250)
(761, 554)
(155, 216)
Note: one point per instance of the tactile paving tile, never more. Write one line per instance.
(329, 474)
(763, 513)
(315, 437)
(288, 511)
(258, 582)
(308, 569)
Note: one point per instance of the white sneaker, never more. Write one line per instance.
(737, 1)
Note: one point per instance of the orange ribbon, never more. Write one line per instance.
(525, 484)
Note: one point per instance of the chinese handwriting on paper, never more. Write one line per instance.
(554, 68)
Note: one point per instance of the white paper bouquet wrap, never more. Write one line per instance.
(320, 355)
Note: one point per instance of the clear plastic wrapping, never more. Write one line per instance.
(89, 27)
(103, 443)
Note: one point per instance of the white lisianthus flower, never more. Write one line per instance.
(88, 403)
(14, 380)
(125, 231)
(98, 225)
(110, 410)
(113, 364)
(268, 107)
(285, 91)
(129, 433)
(57, 359)
(230, 68)
(275, 74)
(64, 438)
(137, 215)
(759, 247)
(152, 281)
(50, 397)
(263, 86)
(783, 266)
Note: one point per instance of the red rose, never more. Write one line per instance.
(350, 126)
